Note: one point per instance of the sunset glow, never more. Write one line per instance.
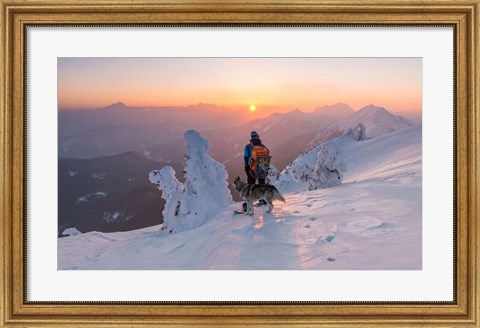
(252, 108)
(280, 84)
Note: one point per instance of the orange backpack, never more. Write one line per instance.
(260, 161)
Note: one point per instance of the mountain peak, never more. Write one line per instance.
(295, 111)
(117, 105)
(372, 108)
(377, 120)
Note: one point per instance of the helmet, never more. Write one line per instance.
(254, 134)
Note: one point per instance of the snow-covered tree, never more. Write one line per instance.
(206, 185)
(359, 133)
(302, 171)
(362, 132)
(328, 168)
(71, 232)
(204, 192)
(324, 170)
(350, 133)
(273, 174)
(171, 191)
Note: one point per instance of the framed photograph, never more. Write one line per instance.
(302, 163)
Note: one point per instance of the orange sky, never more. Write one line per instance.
(272, 84)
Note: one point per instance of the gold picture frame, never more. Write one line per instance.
(16, 15)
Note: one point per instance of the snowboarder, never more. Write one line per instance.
(257, 161)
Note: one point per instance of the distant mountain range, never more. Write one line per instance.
(158, 132)
(75, 122)
(103, 184)
(119, 128)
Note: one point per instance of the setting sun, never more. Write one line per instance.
(252, 108)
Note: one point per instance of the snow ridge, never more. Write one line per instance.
(377, 121)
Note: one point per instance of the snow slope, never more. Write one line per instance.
(371, 221)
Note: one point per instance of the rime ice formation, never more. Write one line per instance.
(204, 192)
(322, 167)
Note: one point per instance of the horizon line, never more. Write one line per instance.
(235, 107)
